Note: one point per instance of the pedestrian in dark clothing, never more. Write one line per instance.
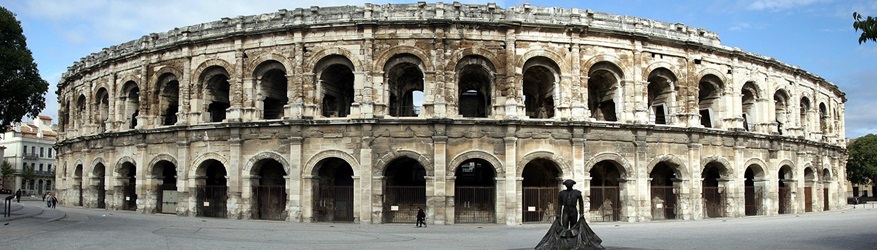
(18, 196)
(421, 216)
(54, 201)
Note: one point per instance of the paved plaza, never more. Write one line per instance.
(34, 227)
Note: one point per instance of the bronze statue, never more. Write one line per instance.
(570, 230)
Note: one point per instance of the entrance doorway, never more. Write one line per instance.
(333, 191)
(212, 192)
(166, 195)
(127, 176)
(713, 195)
(784, 191)
(605, 191)
(475, 192)
(540, 188)
(270, 192)
(663, 198)
(99, 174)
(404, 190)
(752, 195)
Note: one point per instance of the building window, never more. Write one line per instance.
(33, 150)
(49, 168)
(50, 152)
(24, 151)
(41, 152)
(41, 167)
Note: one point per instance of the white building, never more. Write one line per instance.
(29, 145)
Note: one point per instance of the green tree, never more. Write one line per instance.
(23, 89)
(862, 164)
(6, 171)
(28, 174)
(868, 27)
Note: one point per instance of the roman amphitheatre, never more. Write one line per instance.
(475, 113)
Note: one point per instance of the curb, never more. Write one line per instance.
(18, 217)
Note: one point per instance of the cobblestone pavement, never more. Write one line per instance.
(78, 228)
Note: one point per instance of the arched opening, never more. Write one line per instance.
(660, 95)
(604, 81)
(127, 178)
(781, 107)
(709, 101)
(753, 193)
(823, 118)
(405, 84)
(826, 178)
(333, 191)
(810, 179)
(270, 192)
(40, 186)
(102, 109)
(214, 80)
(336, 84)
(272, 88)
(540, 79)
(131, 100)
(168, 93)
(404, 190)
(77, 184)
(475, 81)
(212, 190)
(663, 196)
(475, 192)
(749, 98)
(540, 186)
(165, 173)
(98, 178)
(80, 111)
(606, 191)
(804, 114)
(785, 191)
(713, 193)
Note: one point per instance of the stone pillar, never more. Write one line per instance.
(247, 202)
(513, 189)
(306, 198)
(182, 170)
(295, 181)
(377, 203)
(360, 188)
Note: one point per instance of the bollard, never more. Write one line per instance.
(7, 206)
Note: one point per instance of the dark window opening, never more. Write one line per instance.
(705, 118)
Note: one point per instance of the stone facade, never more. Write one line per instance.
(362, 113)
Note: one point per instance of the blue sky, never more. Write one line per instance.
(816, 35)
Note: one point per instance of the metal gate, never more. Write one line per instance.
(605, 203)
(713, 202)
(539, 203)
(270, 202)
(475, 204)
(211, 201)
(663, 203)
(168, 201)
(785, 200)
(333, 203)
(808, 199)
(130, 197)
(401, 202)
(825, 199)
(753, 197)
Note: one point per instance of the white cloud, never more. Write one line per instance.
(776, 5)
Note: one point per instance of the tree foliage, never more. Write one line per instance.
(28, 173)
(868, 27)
(862, 164)
(6, 171)
(23, 91)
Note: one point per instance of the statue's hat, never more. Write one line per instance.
(569, 182)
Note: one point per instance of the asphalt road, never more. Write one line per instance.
(78, 228)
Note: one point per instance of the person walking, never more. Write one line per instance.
(54, 201)
(48, 199)
(421, 217)
(18, 196)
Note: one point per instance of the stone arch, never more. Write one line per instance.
(97, 87)
(762, 166)
(310, 166)
(681, 169)
(787, 162)
(384, 57)
(197, 170)
(557, 159)
(318, 56)
(381, 164)
(121, 161)
(97, 160)
(73, 169)
(562, 65)
(159, 158)
(711, 71)
(475, 154)
(458, 55)
(722, 161)
(248, 167)
(122, 81)
(254, 62)
(658, 65)
(813, 169)
(165, 69)
(196, 75)
(611, 59)
(826, 173)
(627, 168)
